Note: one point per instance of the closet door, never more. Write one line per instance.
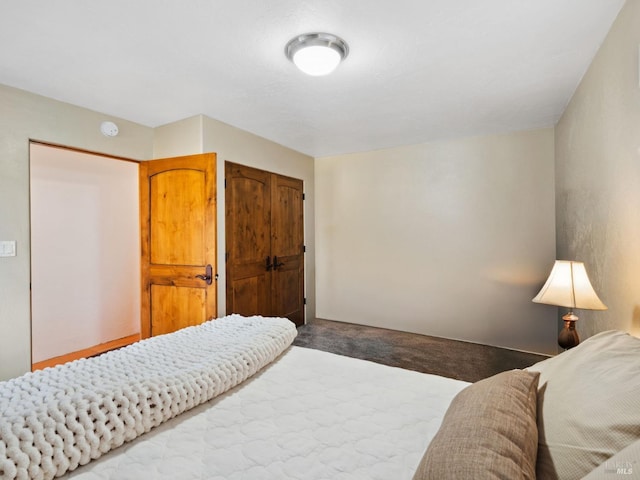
(287, 247)
(264, 238)
(248, 240)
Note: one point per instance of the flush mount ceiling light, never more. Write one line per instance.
(316, 53)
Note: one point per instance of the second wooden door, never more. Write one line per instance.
(265, 243)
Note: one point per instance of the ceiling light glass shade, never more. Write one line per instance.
(568, 285)
(316, 61)
(317, 53)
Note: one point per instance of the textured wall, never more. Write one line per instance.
(451, 238)
(598, 178)
(175, 139)
(26, 116)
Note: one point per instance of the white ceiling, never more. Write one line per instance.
(418, 70)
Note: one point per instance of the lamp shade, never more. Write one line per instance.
(568, 285)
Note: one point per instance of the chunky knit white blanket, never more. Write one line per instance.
(53, 420)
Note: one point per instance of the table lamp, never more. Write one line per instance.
(568, 285)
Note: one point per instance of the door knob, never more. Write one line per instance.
(268, 264)
(276, 264)
(208, 275)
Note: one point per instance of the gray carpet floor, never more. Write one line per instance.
(449, 358)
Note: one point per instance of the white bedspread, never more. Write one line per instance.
(310, 415)
(53, 420)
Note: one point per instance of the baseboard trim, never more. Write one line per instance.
(86, 352)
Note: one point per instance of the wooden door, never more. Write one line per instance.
(178, 232)
(248, 241)
(264, 238)
(287, 247)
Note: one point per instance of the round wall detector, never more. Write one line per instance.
(109, 129)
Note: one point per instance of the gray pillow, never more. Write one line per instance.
(488, 432)
(588, 405)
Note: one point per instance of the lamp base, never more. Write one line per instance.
(568, 337)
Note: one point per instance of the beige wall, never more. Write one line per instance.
(598, 178)
(202, 134)
(26, 116)
(450, 238)
(183, 137)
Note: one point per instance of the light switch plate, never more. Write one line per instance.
(7, 248)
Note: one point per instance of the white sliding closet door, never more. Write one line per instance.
(85, 250)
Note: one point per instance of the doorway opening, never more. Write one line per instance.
(85, 254)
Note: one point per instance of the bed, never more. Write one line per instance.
(234, 400)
